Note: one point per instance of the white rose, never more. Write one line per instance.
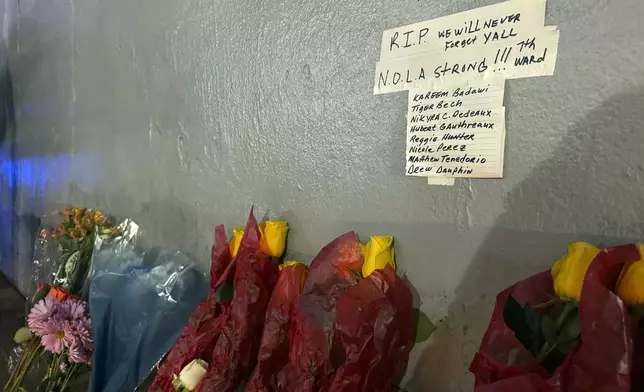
(192, 374)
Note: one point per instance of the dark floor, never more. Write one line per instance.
(12, 311)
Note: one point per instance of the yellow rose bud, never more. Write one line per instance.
(569, 272)
(630, 285)
(378, 252)
(287, 264)
(273, 237)
(238, 233)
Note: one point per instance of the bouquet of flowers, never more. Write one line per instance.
(64, 329)
(572, 329)
(276, 326)
(72, 243)
(132, 336)
(218, 347)
(352, 298)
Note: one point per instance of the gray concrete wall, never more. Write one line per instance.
(182, 114)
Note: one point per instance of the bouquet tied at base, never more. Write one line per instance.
(580, 341)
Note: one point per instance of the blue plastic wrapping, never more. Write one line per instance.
(140, 302)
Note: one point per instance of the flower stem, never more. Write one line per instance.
(32, 350)
(51, 372)
(71, 372)
(545, 351)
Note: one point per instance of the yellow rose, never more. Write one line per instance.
(238, 233)
(378, 252)
(273, 237)
(630, 285)
(569, 272)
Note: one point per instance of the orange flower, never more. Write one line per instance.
(77, 234)
(59, 232)
(58, 293)
(88, 224)
(67, 212)
(78, 211)
(99, 218)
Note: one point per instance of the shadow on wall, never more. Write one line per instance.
(31, 162)
(591, 189)
(7, 154)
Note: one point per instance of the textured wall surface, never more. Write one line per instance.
(182, 114)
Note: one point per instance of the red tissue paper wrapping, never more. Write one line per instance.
(313, 330)
(236, 349)
(603, 361)
(273, 351)
(374, 325)
(200, 334)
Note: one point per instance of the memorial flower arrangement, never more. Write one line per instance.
(59, 322)
(267, 324)
(275, 325)
(578, 324)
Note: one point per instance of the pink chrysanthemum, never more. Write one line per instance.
(83, 330)
(78, 353)
(40, 315)
(72, 309)
(58, 336)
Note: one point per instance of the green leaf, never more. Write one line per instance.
(549, 330)
(355, 273)
(225, 292)
(533, 321)
(22, 335)
(571, 329)
(423, 326)
(65, 242)
(41, 294)
(567, 347)
(241, 387)
(522, 323)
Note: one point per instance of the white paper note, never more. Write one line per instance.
(473, 29)
(533, 55)
(444, 181)
(456, 130)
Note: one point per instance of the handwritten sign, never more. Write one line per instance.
(455, 69)
(530, 56)
(476, 28)
(456, 130)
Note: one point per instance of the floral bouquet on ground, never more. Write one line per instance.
(274, 326)
(352, 298)
(218, 346)
(59, 318)
(576, 328)
(64, 329)
(140, 299)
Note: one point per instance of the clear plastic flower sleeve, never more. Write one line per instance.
(140, 300)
